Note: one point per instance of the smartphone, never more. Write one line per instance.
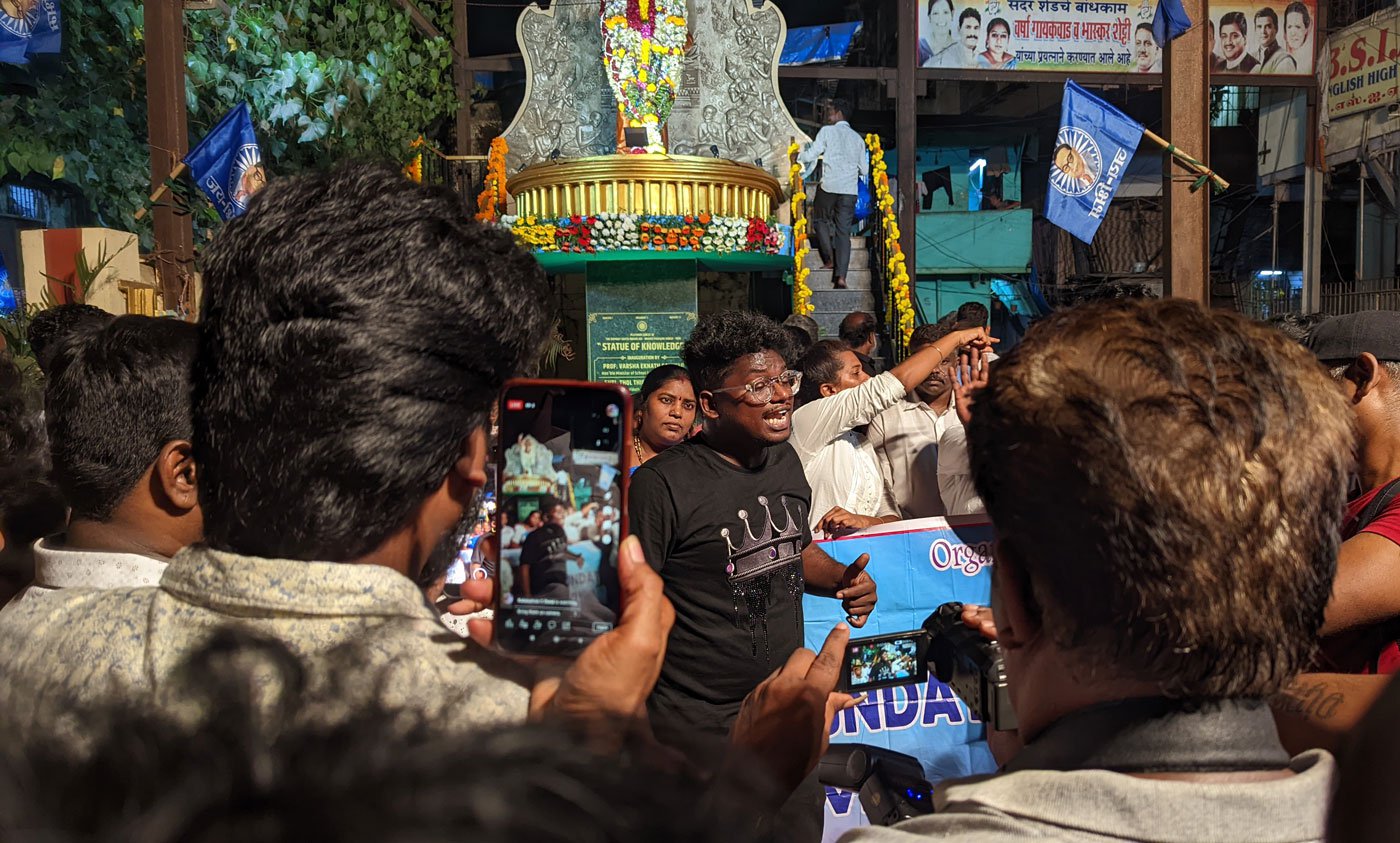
(562, 512)
(884, 661)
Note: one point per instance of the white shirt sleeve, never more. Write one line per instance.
(955, 473)
(814, 150)
(817, 423)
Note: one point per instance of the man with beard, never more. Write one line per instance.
(920, 445)
(723, 517)
(343, 382)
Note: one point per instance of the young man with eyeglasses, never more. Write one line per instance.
(724, 518)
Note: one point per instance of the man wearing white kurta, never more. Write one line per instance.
(837, 401)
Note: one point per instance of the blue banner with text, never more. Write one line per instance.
(917, 565)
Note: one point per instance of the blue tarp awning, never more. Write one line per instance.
(817, 44)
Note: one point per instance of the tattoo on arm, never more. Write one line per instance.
(1311, 699)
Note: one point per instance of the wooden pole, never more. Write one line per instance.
(1186, 160)
(462, 78)
(906, 110)
(169, 139)
(164, 188)
(1186, 119)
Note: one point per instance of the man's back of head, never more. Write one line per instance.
(355, 331)
(49, 326)
(857, 330)
(1174, 502)
(118, 394)
(972, 314)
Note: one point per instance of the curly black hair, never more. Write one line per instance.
(355, 330)
(30, 506)
(55, 325)
(722, 338)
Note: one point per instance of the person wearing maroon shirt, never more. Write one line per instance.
(1361, 633)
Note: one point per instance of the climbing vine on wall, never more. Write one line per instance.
(324, 80)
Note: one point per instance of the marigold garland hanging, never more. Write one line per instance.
(896, 271)
(801, 293)
(493, 195)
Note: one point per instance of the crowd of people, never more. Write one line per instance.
(233, 626)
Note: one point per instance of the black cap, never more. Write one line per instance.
(1344, 338)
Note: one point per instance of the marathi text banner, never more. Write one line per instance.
(1087, 36)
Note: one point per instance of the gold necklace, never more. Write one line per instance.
(637, 447)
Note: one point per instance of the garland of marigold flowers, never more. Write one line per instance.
(801, 293)
(493, 196)
(413, 170)
(895, 269)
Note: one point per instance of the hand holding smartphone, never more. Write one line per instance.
(885, 661)
(563, 500)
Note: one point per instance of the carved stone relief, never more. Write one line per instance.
(728, 105)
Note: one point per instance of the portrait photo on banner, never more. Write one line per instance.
(1088, 36)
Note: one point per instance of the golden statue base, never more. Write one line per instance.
(652, 184)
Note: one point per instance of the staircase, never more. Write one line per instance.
(831, 306)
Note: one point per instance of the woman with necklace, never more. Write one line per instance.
(665, 412)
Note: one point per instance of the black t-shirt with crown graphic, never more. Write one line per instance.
(728, 542)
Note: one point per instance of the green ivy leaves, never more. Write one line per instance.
(325, 80)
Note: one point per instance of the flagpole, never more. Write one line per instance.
(180, 168)
(1187, 161)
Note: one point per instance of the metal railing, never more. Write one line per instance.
(886, 262)
(1355, 296)
(1265, 298)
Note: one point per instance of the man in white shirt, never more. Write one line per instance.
(844, 163)
(920, 437)
(836, 401)
(117, 408)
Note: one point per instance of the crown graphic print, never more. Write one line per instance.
(773, 548)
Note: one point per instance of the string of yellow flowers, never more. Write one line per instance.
(895, 270)
(413, 170)
(801, 293)
(493, 196)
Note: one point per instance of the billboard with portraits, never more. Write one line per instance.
(1089, 36)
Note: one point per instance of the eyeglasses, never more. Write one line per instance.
(761, 391)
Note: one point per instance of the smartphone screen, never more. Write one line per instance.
(884, 661)
(561, 508)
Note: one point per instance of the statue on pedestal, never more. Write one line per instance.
(644, 44)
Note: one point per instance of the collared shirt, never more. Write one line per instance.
(923, 460)
(905, 438)
(57, 567)
(1096, 805)
(843, 155)
(839, 460)
(81, 647)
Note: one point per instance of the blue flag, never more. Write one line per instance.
(1170, 22)
(227, 164)
(1092, 150)
(29, 28)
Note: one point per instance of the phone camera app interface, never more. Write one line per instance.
(560, 517)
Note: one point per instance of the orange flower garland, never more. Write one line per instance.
(895, 268)
(801, 293)
(493, 196)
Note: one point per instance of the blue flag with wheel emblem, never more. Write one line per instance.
(227, 164)
(1092, 150)
(29, 28)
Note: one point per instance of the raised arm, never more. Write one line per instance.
(921, 363)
